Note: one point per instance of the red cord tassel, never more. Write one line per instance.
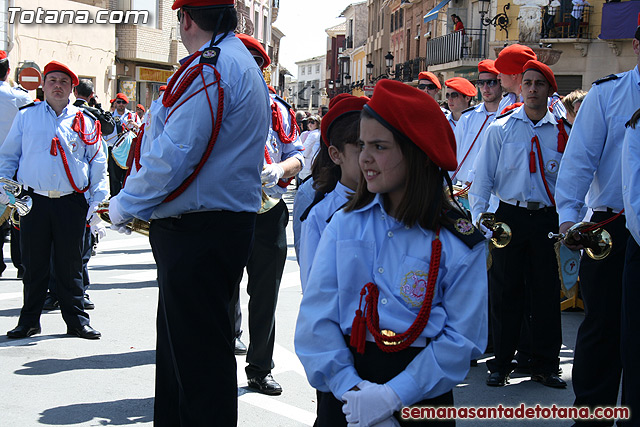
(532, 157)
(359, 326)
(54, 148)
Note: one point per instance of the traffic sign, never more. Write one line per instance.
(30, 78)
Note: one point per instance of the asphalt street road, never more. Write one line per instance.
(55, 379)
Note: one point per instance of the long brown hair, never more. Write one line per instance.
(424, 201)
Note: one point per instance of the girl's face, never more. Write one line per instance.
(347, 159)
(312, 125)
(382, 162)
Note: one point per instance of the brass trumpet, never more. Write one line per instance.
(137, 225)
(21, 206)
(501, 232)
(597, 243)
(267, 203)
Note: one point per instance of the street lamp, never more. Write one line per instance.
(500, 20)
(347, 79)
(388, 59)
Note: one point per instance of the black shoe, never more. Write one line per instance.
(265, 385)
(550, 380)
(50, 303)
(497, 379)
(20, 272)
(240, 348)
(85, 331)
(88, 305)
(22, 331)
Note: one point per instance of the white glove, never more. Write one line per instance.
(98, 229)
(116, 215)
(4, 197)
(389, 422)
(271, 174)
(122, 228)
(369, 405)
(91, 213)
(488, 234)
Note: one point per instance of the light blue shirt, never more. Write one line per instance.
(10, 100)
(509, 98)
(502, 166)
(590, 172)
(631, 180)
(304, 197)
(554, 102)
(368, 245)
(230, 179)
(279, 151)
(315, 224)
(27, 149)
(471, 127)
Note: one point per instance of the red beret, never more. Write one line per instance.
(345, 105)
(337, 98)
(162, 88)
(58, 66)
(544, 69)
(140, 106)
(252, 43)
(428, 75)
(402, 109)
(488, 66)
(512, 58)
(3, 55)
(462, 85)
(177, 4)
(122, 96)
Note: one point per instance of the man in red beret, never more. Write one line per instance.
(429, 83)
(509, 64)
(54, 150)
(472, 126)
(120, 141)
(140, 110)
(590, 177)
(283, 160)
(459, 94)
(200, 183)
(519, 162)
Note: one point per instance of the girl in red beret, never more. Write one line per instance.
(395, 306)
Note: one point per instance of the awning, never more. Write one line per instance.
(433, 13)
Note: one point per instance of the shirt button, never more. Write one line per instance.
(390, 234)
(383, 300)
(380, 270)
(382, 217)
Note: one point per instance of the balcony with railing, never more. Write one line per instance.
(465, 46)
(562, 26)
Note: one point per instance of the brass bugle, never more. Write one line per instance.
(501, 232)
(21, 205)
(137, 225)
(597, 243)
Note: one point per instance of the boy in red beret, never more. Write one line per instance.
(519, 162)
(429, 83)
(459, 94)
(395, 305)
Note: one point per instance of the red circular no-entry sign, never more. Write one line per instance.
(30, 78)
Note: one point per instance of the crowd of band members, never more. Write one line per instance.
(515, 152)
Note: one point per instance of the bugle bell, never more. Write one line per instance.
(267, 203)
(597, 241)
(137, 225)
(22, 205)
(500, 232)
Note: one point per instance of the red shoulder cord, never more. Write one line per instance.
(278, 126)
(79, 127)
(369, 316)
(175, 89)
(469, 150)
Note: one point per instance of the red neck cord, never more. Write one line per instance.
(369, 316)
(532, 166)
(278, 126)
(469, 150)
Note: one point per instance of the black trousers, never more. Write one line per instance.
(597, 368)
(265, 268)
(54, 225)
(116, 174)
(524, 277)
(87, 246)
(199, 257)
(379, 367)
(630, 345)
